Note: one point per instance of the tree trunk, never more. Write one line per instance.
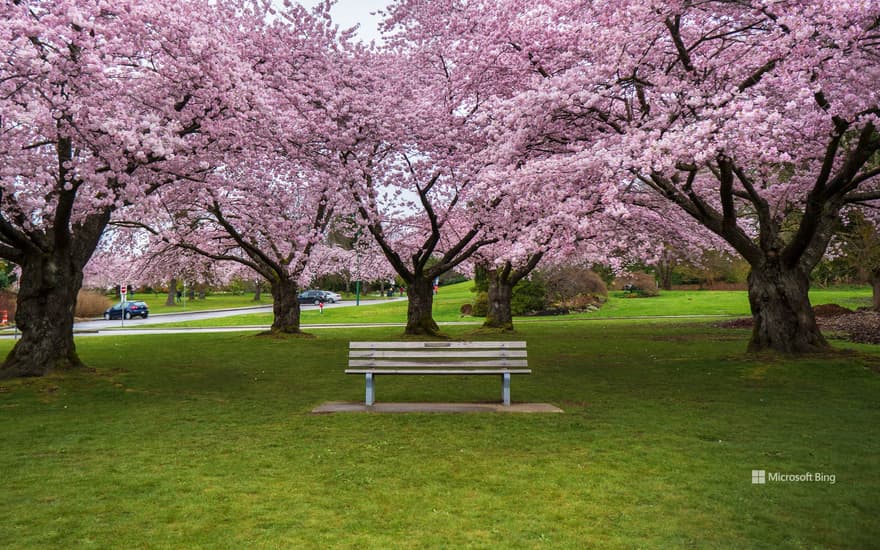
(44, 314)
(285, 307)
(258, 290)
(875, 286)
(172, 292)
(665, 267)
(781, 312)
(500, 293)
(419, 320)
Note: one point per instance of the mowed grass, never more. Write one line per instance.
(206, 440)
(448, 302)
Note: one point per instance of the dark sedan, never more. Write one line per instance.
(312, 297)
(127, 310)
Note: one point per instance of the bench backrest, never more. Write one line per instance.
(422, 355)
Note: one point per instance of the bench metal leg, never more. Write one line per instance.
(505, 388)
(370, 392)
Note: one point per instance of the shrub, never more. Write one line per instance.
(90, 303)
(466, 309)
(7, 274)
(605, 272)
(528, 295)
(575, 287)
(566, 282)
(481, 279)
(452, 277)
(481, 305)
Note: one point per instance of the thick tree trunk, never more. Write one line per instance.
(500, 314)
(419, 320)
(172, 292)
(285, 307)
(44, 315)
(258, 290)
(875, 286)
(781, 312)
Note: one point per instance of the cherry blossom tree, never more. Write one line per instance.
(536, 198)
(102, 104)
(410, 170)
(558, 212)
(756, 119)
(277, 232)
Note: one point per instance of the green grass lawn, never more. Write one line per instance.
(448, 301)
(191, 441)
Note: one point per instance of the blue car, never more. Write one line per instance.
(127, 310)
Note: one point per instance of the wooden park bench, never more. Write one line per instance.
(433, 358)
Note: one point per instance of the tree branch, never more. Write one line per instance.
(756, 76)
(421, 256)
(533, 262)
(249, 248)
(852, 198)
(674, 31)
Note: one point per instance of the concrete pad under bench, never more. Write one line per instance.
(348, 406)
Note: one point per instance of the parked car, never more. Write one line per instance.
(127, 310)
(311, 297)
(314, 296)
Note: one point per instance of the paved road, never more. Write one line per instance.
(176, 317)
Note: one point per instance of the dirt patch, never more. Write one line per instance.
(278, 335)
(830, 311)
(745, 322)
(859, 326)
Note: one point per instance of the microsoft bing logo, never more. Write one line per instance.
(761, 477)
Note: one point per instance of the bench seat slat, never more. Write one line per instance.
(436, 345)
(403, 354)
(436, 364)
(433, 371)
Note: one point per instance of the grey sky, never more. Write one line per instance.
(348, 13)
